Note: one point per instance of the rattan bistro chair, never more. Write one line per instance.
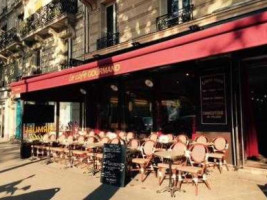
(196, 171)
(39, 149)
(129, 136)
(182, 138)
(144, 163)
(99, 154)
(220, 146)
(153, 137)
(201, 139)
(162, 167)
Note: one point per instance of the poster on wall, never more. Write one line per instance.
(213, 99)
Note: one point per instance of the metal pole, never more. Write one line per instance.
(22, 120)
(237, 131)
(57, 118)
(241, 114)
(232, 115)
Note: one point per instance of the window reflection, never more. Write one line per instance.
(138, 97)
(108, 107)
(178, 101)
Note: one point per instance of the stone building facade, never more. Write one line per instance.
(37, 39)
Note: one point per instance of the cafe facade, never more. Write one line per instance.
(210, 82)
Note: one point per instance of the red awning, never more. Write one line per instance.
(232, 36)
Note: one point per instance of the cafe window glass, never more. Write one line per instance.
(178, 100)
(69, 115)
(108, 107)
(138, 95)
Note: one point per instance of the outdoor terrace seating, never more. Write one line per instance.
(85, 150)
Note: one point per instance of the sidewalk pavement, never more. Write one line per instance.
(35, 180)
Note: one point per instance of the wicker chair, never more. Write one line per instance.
(144, 163)
(39, 149)
(220, 146)
(162, 167)
(79, 156)
(117, 141)
(196, 171)
(153, 137)
(91, 133)
(134, 144)
(102, 134)
(122, 135)
(182, 138)
(129, 136)
(201, 139)
(99, 154)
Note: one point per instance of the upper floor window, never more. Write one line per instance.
(110, 18)
(174, 12)
(172, 7)
(38, 58)
(110, 35)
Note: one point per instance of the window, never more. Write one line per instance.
(110, 18)
(172, 7)
(37, 58)
(173, 12)
(37, 62)
(110, 36)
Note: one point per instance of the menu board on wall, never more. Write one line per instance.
(113, 166)
(213, 99)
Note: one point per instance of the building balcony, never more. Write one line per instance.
(53, 15)
(169, 20)
(8, 39)
(109, 40)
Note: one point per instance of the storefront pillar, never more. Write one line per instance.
(57, 118)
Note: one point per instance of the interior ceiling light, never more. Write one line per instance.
(149, 83)
(114, 87)
(83, 91)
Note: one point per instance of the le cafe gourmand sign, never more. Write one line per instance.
(95, 73)
(38, 129)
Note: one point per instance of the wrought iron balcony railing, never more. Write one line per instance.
(169, 20)
(8, 37)
(47, 14)
(109, 40)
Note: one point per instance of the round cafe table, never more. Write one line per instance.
(170, 156)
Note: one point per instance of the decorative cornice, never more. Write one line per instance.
(91, 3)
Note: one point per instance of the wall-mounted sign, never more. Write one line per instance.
(95, 72)
(32, 129)
(213, 99)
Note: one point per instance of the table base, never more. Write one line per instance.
(172, 190)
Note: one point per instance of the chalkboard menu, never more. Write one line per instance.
(213, 99)
(114, 165)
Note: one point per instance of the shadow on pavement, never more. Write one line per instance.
(11, 188)
(263, 189)
(36, 195)
(103, 192)
(22, 165)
